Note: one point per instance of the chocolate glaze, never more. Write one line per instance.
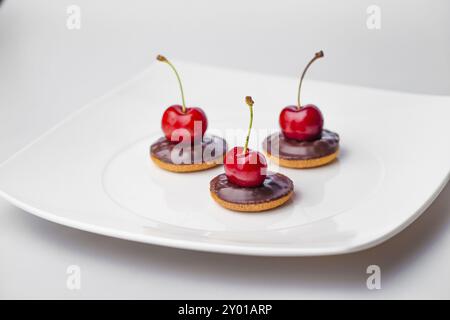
(275, 186)
(291, 149)
(211, 148)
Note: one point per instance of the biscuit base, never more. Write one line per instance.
(303, 164)
(252, 207)
(186, 167)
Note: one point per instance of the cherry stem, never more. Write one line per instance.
(165, 60)
(317, 55)
(250, 103)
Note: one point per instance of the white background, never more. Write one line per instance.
(48, 71)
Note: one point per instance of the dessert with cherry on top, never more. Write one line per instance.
(246, 184)
(185, 147)
(302, 142)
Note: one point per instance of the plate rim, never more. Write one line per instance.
(222, 248)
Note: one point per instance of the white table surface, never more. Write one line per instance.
(47, 72)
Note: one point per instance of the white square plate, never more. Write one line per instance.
(93, 171)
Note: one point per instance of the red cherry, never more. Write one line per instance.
(180, 123)
(193, 121)
(304, 123)
(245, 169)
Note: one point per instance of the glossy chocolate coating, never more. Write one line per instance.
(211, 148)
(275, 186)
(291, 149)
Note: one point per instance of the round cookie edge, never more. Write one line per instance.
(306, 163)
(253, 207)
